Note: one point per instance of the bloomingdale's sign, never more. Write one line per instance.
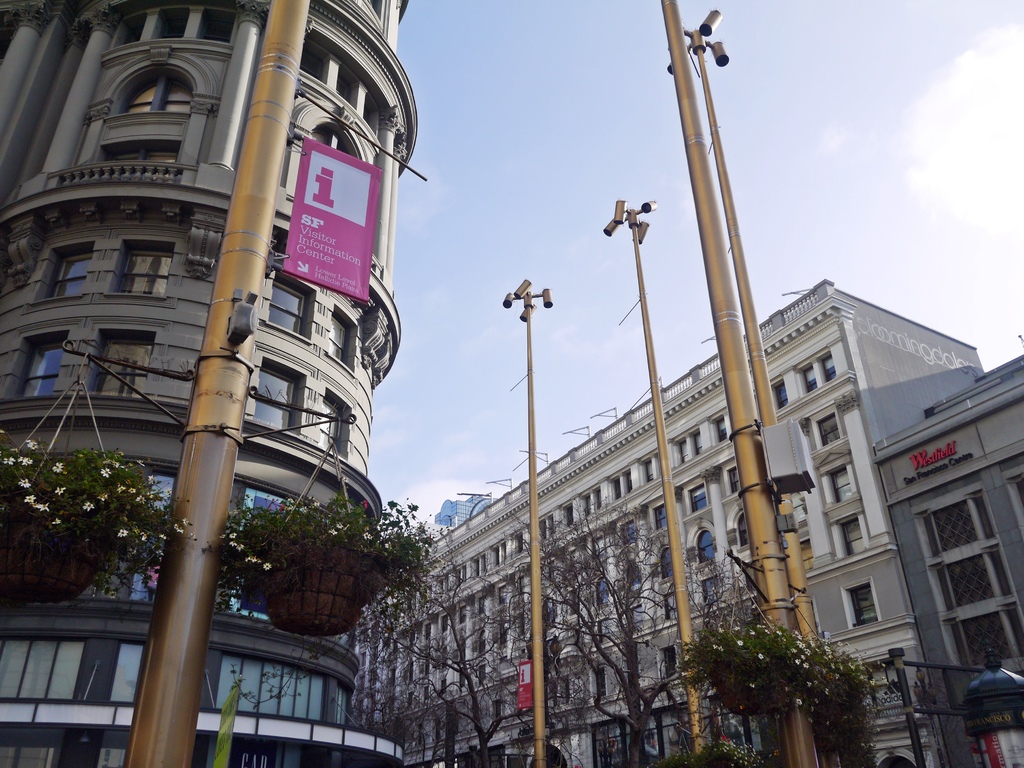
(926, 463)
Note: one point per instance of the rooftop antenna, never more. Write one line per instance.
(578, 431)
(611, 413)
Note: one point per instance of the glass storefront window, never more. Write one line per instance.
(41, 669)
(126, 674)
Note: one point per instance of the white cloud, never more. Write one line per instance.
(964, 136)
(832, 139)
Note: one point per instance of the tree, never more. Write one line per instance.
(609, 597)
(450, 660)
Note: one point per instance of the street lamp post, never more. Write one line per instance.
(675, 539)
(759, 506)
(523, 293)
(795, 571)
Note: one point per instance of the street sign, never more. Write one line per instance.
(524, 697)
(334, 219)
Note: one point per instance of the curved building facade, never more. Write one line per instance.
(121, 124)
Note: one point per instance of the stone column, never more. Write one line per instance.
(713, 487)
(69, 130)
(389, 126)
(227, 136)
(36, 86)
(863, 468)
(31, 19)
(199, 113)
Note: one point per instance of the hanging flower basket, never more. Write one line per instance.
(319, 565)
(328, 600)
(73, 520)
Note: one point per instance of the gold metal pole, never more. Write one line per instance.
(540, 754)
(170, 680)
(797, 734)
(536, 593)
(795, 571)
(675, 538)
(758, 503)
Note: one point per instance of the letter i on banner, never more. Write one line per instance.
(227, 727)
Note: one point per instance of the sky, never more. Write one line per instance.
(874, 144)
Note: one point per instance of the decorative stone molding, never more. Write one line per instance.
(55, 217)
(392, 120)
(4, 263)
(400, 151)
(132, 209)
(805, 425)
(91, 210)
(848, 402)
(376, 344)
(712, 475)
(160, 54)
(172, 212)
(35, 15)
(202, 246)
(104, 19)
(204, 105)
(98, 110)
(78, 35)
(252, 10)
(24, 245)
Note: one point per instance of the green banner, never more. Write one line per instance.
(227, 727)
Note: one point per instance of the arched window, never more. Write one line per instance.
(705, 546)
(666, 563)
(741, 529)
(164, 95)
(327, 134)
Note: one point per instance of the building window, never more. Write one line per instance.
(698, 498)
(629, 532)
(568, 515)
(39, 669)
(853, 536)
(839, 480)
(597, 498)
(617, 488)
(705, 546)
(601, 682)
(71, 275)
(602, 592)
(126, 673)
(732, 474)
(627, 481)
(808, 554)
(721, 430)
(217, 25)
(280, 389)
(337, 432)
(666, 563)
(781, 397)
(272, 688)
(863, 605)
(698, 444)
(966, 581)
(649, 470)
(287, 307)
(164, 95)
(135, 352)
(173, 22)
(670, 606)
(341, 340)
(951, 527)
(681, 446)
(146, 270)
(709, 590)
(829, 367)
(660, 517)
(43, 370)
(828, 429)
(742, 535)
(810, 378)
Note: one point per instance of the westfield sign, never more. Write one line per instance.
(922, 459)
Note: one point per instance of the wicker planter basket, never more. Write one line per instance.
(323, 601)
(32, 573)
(742, 699)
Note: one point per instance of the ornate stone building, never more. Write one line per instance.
(851, 374)
(121, 124)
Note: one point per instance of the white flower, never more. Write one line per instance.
(24, 483)
(266, 566)
(103, 497)
(105, 472)
(9, 460)
(739, 642)
(59, 491)
(30, 499)
(43, 507)
(26, 461)
(58, 468)
(87, 506)
(760, 656)
(122, 533)
(31, 444)
(56, 521)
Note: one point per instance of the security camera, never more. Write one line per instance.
(507, 303)
(620, 211)
(641, 231)
(718, 51)
(710, 23)
(648, 207)
(546, 294)
(523, 289)
(612, 226)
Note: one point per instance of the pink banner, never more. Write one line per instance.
(524, 697)
(334, 217)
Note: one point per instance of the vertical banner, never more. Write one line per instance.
(334, 219)
(227, 727)
(524, 695)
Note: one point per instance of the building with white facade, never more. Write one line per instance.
(851, 374)
(121, 124)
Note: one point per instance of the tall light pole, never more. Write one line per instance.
(166, 711)
(759, 506)
(795, 571)
(523, 293)
(675, 539)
